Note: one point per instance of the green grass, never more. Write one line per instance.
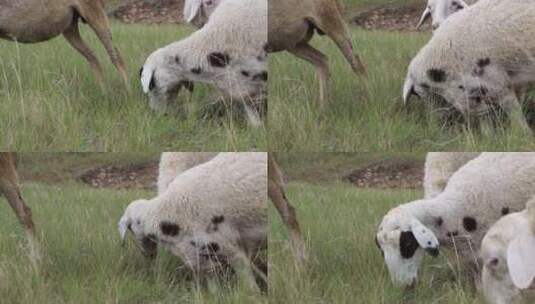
(339, 223)
(83, 260)
(366, 115)
(50, 101)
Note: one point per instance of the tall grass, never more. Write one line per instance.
(366, 115)
(339, 223)
(50, 101)
(83, 261)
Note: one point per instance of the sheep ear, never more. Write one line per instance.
(192, 8)
(147, 81)
(426, 14)
(520, 262)
(425, 237)
(123, 227)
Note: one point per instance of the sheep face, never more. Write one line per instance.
(476, 89)
(133, 220)
(165, 73)
(401, 239)
(439, 10)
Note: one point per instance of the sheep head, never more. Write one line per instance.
(439, 10)
(402, 240)
(134, 220)
(168, 70)
(197, 12)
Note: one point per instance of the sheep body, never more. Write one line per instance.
(475, 197)
(439, 167)
(484, 69)
(174, 163)
(222, 201)
(227, 52)
(497, 284)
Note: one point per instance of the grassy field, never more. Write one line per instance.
(83, 260)
(50, 101)
(339, 223)
(366, 115)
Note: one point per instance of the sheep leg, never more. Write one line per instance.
(332, 24)
(287, 212)
(319, 60)
(93, 13)
(72, 35)
(10, 188)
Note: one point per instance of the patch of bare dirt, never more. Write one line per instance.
(393, 17)
(142, 176)
(150, 11)
(388, 174)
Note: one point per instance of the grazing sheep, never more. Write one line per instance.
(31, 21)
(439, 167)
(439, 10)
(9, 187)
(291, 26)
(227, 52)
(508, 258)
(476, 196)
(214, 214)
(197, 12)
(174, 163)
(286, 211)
(485, 69)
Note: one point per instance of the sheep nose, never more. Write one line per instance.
(211, 247)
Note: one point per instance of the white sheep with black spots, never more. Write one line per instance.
(476, 196)
(212, 215)
(508, 257)
(480, 61)
(227, 53)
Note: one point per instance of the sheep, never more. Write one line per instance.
(174, 163)
(227, 52)
(439, 167)
(285, 209)
(508, 258)
(291, 27)
(483, 70)
(9, 187)
(212, 215)
(32, 21)
(197, 12)
(476, 196)
(439, 10)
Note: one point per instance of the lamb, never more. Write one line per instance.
(291, 26)
(439, 10)
(508, 258)
(31, 21)
(197, 12)
(439, 167)
(227, 52)
(476, 196)
(481, 73)
(9, 187)
(212, 215)
(174, 163)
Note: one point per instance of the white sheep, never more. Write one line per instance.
(439, 10)
(174, 163)
(227, 52)
(508, 257)
(439, 167)
(214, 214)
(480, 60)
(476, 196)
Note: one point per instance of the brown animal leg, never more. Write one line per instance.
(310, 54)
(333, 25)
(72, 34)
(287, 212)
(93, 13)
